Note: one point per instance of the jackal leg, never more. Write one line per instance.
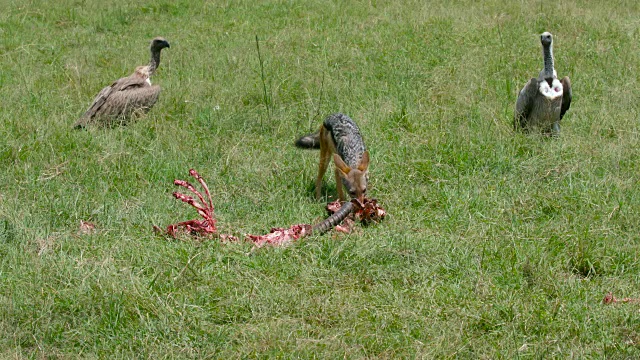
(325, 156)
(339, 186)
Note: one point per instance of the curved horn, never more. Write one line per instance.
(333, 220)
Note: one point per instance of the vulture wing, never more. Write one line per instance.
(133, 99)
(103, 95)
(109, 102)
(524, 104)
(566, 95)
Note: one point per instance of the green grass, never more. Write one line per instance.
(497, 245)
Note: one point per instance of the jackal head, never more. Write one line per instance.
(355, 180)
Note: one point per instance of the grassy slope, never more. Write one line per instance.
(497, 244)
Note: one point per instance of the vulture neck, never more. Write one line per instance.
(547, 52)
(155, 61)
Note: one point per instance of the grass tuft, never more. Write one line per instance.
(265, 97)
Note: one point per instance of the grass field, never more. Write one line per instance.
(497, 245)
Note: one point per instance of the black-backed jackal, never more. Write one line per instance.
(339, 136)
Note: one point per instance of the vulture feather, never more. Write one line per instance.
(127, 96)
(544, 100)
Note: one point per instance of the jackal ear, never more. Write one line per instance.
(364, 162)
(340, 164)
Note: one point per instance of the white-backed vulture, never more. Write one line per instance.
(127, 96)
(543, 101)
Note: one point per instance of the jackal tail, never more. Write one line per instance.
(311, 141)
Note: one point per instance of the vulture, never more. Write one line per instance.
(127, 96)
(544, 100)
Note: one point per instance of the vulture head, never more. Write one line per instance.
(546, 39)
(159, 43)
